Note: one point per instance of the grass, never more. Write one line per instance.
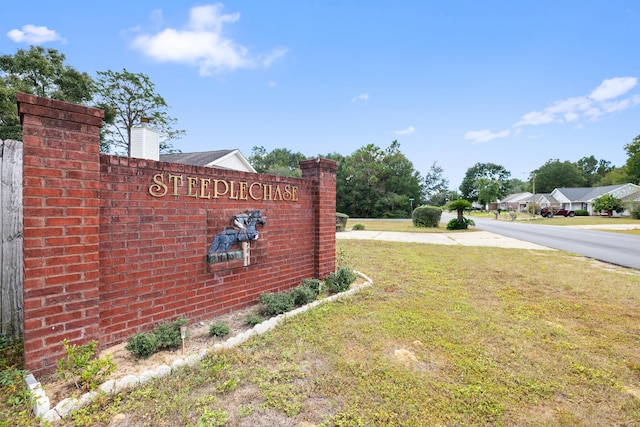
(397, 225)
(447, 335)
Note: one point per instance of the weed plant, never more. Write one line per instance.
(83, 367)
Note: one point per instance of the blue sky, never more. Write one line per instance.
(455, 82)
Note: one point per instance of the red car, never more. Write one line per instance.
(549, 213)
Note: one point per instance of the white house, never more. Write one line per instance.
(225, 159)
(582, 198)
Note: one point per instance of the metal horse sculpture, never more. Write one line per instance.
(244, 231)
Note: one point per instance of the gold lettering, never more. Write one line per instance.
(158, 188)
(251, 190)
(242, 191)
(204, 185)
(232, 193)
(278, 195)
(192, 184)
(174, 179)
(287, 192)
(294, 193)
(216, 193)
(266, 191)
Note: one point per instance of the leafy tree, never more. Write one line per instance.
(593, 170)
(609, 203)
(436, 186)
(41, 72)
(485, 182)
(127, 97)
(556, 174)
(517, 186)
(633, 161)
(615, 176)
(374, 183)
(279, 161)
(459, 206)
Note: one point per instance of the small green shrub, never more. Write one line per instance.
(340, 280)
(582, 212)
(635, 211)
(454, 224)
(314, 284)
(142, 345)
(303, 295)
(358, 226)
(81, 365)
(276, 303)
(253, 320)
(426, 216)
(219, 330)
(169, 334)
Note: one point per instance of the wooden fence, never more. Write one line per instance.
(11, 314)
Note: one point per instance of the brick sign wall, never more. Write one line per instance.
(115, 245)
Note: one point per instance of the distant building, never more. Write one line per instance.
(225, 159)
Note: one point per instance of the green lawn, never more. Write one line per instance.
(446, 335)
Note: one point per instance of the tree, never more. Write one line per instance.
(633, 162)
(127, 97)
(556, 174)
(41, 72)
(609, 203)
(459, 206)
(593, 170)
(485, 182)
(436, 186)
(615, 176)
(374, 183)
(279, 161)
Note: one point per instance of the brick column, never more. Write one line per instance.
(61, 205)
(323, 173)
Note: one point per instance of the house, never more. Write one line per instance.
(225, 159)
(582, 198)
(520, 202)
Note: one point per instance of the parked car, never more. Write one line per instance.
(550, 213)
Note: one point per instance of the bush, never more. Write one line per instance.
(454, 224)
(253, 320)
(426, 216)
(169, 334)
(358, 226)
(341, 221)
(635, 211)
(142, 345)
(340, 280)
(81, 365)
(581, 212)
(276, 303)
(314, 284)
(219, 330)
(303, 295)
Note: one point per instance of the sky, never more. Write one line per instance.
(457, 82)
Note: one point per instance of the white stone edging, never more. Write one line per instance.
(42, 405)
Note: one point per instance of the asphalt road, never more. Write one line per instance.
(615, 248)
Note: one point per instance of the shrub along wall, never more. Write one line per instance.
(116, 245)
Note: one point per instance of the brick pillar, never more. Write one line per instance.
(61, 206)
(323, 173)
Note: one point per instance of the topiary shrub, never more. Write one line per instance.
(219, 329)
(582, 212)
(454, 224)
(426, 216)
(358, 226)
(341, 221)
(142, 345)
(340, 280)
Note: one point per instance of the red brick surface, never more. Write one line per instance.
(105, 259)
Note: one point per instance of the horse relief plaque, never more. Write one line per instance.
(243, 232)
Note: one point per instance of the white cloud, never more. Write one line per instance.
(597, 104)
(363, 97)
(406, 131)
(32, 34)
(478, 136)
(202, 43)
(613, 88)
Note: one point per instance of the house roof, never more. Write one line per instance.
(225, 159)
(586, 194)
(517, 197)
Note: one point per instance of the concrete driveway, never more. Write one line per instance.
(475, 238)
